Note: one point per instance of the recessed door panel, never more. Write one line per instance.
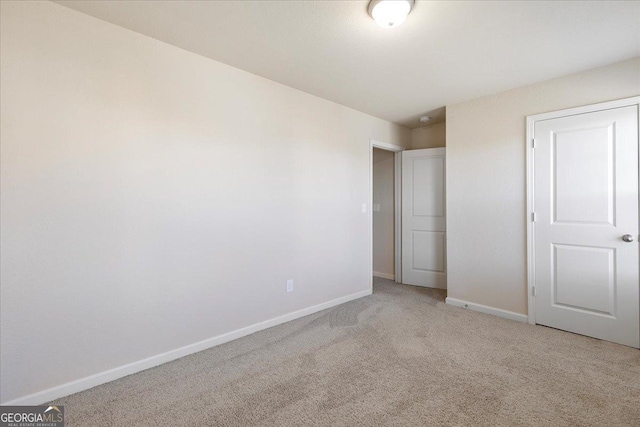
(584, 184)
(428, 251)
(428, 177)
(585, 197)
(584, 278)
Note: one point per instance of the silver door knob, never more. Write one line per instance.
(627, 238)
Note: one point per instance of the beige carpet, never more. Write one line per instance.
(398, 357)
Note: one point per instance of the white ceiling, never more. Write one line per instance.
(446, 52)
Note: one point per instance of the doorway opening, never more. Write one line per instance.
(384, 211)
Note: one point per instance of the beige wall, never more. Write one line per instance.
(486, 181)
(433, 136)
(383, 220)
(152, 198)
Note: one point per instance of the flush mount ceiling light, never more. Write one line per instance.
(424, 119)
(390, 13)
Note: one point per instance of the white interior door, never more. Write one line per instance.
(586, 252)
(423, 218)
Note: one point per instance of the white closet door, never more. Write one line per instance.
(424, 218)
(586, 228)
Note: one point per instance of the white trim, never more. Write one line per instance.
(150, 362)
(531, 307)
(625, 102)
(386, 146)
(397, 214)
(486, 309)
(384, 275)
(531, 120)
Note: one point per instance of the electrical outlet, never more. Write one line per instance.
(290, 285)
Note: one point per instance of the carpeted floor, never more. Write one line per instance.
(398, 357)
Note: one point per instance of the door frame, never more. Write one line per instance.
(530, 158)
(397, 174)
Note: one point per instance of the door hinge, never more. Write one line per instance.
(533, 216)
(533, 291)
(533, 143)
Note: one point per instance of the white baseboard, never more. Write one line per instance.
(487, 310)
(384, 275)
(150, 362)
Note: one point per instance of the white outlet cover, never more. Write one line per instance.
(290, 285)
(364, 208)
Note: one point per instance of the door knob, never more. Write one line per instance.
(627, 238)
